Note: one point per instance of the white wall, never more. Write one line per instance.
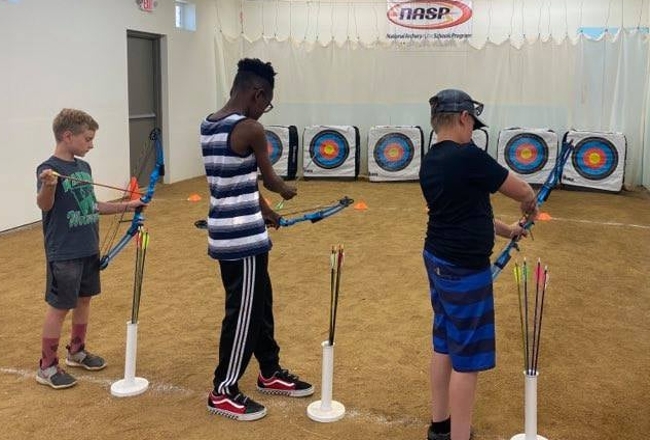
(72, 53)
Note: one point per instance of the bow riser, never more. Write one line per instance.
(318, 215)
(138, 219)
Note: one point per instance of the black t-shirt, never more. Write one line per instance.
(71, 227)
(457, 181)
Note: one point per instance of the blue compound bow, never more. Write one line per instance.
(320, 214)
(527, 223)
(138, 218)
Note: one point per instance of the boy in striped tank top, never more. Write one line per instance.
(234, 147)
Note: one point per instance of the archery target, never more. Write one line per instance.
(479, 137)
(282, 146)
(526, 153)
(330, 151)
(273, 146)
(394, 153)
(529, 153)
(597, 161)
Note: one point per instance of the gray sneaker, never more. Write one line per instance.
(84, 359)
(55, 376)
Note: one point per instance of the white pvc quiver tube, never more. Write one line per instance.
(326, 409)
(130, 385)
(530, 409)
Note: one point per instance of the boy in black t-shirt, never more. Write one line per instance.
(71, 232)
(457, 179)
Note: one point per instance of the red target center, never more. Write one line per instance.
(394, 152)
(593, 158)
(329, 149)
(526, 153)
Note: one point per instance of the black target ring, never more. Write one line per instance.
(329, 149)
(526, 153)
(595, 158)
(394, 152)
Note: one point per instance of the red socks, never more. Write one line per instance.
(78, 337)
(49, 347)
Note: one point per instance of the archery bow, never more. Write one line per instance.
(527, 222)
(312, 216)
(138, 218)
(320, 214)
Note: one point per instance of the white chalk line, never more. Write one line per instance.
(105, 383)
(351, 413)
(591, 222)
(561, 219)
(166, 388)
(616, 224)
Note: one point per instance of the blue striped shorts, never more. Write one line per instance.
(463, 308)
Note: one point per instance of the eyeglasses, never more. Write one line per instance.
(478, 107)
(269, 107)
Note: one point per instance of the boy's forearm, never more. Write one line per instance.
(502, 229)
(264, 207)
(112, 207)
(45, 197)
(276, 185)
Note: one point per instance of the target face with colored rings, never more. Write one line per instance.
(595, 158)
(526, 153)
(273, 146)
(394, 152)
(329, 149)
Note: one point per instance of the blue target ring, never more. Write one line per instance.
(526, 153)
(394, 152)
(595, 158)
(329, 149)
(273, 146)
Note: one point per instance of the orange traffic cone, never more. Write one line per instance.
(134, 189)
(544, 217)
(361, 206)
(194, 198)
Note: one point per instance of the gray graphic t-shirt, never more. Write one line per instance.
(71, 227)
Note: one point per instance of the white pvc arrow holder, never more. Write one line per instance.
(326, 410)
(530, 410)
(130, 385)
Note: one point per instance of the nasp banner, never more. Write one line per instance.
(421, 19)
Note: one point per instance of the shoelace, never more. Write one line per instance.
(240, 398)
(284, 374)
(59, 370)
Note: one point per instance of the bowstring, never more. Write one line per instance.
(280, 205)
(114, 226)
(321, 207)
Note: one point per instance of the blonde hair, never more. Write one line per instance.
(76, 121)
(442, 120)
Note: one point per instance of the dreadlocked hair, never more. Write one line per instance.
(251, 70)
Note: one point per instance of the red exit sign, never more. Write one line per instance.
(147, 5)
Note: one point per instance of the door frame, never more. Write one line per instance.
(157, 40)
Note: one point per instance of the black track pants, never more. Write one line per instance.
(247, 327)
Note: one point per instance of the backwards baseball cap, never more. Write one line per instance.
(457, 101)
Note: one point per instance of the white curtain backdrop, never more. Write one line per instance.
(588, 85)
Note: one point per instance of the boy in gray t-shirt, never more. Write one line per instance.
(71, 232)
